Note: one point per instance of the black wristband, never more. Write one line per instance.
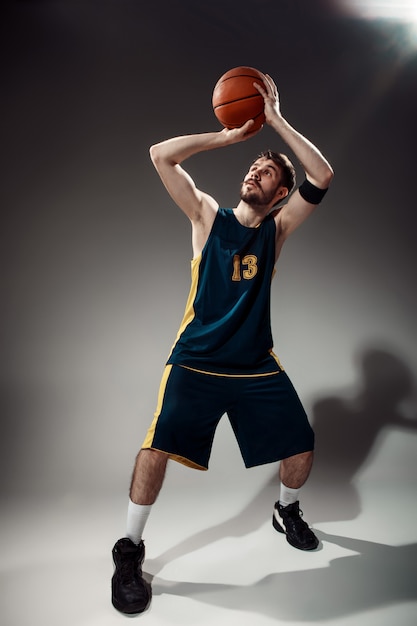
(311, 193)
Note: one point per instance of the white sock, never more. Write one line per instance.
(287, 495)
(137, 515)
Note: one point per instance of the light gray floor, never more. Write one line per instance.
(214, 556)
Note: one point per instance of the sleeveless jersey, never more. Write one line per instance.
(226, 328)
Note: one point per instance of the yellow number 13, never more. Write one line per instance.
(250, 261)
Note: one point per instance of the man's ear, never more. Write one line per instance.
(282, 192)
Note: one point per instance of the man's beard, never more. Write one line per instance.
(256, 196)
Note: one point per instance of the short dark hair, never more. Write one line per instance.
(285, 166)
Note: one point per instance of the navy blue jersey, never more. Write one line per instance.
(226, 327)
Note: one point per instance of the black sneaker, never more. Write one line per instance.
(288, 520)
(130, 592)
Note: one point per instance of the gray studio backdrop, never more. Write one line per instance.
(95, 256)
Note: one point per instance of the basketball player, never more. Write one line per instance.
(222, 360)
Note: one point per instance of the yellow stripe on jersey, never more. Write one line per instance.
(272, 353)
(189, 312)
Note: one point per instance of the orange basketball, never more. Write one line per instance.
(235, 100)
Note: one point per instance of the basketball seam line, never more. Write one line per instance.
(238, 100)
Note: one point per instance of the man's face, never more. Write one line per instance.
(261, 183)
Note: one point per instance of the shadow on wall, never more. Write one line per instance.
(349, 432)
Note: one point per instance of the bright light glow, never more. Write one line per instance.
(401, 12)
(396, 10)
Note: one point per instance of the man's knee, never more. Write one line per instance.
(148, 476)
(150, 455)
(295, 470)
(302, 457)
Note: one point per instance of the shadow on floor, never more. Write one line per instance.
(377, 576)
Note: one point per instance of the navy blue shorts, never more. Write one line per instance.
(265, 412)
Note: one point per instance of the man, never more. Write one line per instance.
(222, 360)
